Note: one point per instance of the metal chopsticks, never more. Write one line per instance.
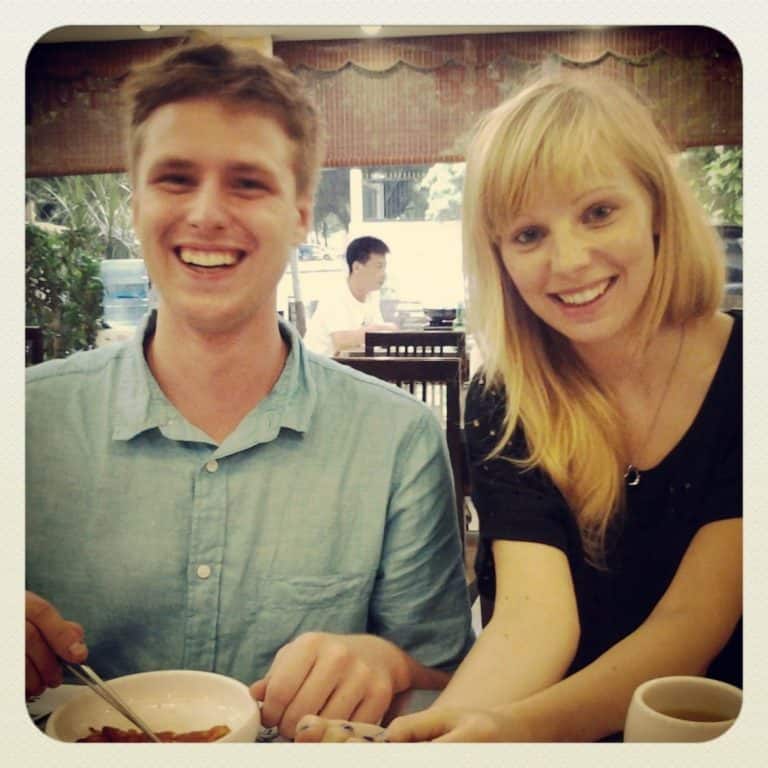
(86, 675)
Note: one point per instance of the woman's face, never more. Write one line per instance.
(582, 260)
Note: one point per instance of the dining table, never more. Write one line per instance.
(404, 703)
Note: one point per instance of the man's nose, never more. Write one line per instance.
(207, 207)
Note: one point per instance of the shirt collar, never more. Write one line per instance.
(140, 404)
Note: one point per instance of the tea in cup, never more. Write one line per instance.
(681, 708)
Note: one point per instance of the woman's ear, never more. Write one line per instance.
(656, 220)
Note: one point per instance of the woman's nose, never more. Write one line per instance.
(570, 252)
(207, 207)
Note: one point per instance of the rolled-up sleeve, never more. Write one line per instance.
(420, 599)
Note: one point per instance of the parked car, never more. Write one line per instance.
(313, 252)
(734, 276)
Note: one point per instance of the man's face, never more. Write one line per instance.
(216, 210)
(373, 273)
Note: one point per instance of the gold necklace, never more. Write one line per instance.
(632, 473)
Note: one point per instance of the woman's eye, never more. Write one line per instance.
(527, 236)
(598, 213)
(175, 180)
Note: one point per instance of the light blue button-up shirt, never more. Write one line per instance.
(329, 508)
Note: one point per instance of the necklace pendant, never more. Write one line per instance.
(632, 475)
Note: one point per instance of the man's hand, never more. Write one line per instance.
(335, 676)
(48, 638)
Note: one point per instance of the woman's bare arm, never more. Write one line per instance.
(686, 630)
(533, 635)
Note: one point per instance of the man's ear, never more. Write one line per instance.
(134, 209)
(303, 219)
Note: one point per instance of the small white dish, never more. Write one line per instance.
(169, 700)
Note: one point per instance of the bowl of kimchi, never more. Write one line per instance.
(178, 705)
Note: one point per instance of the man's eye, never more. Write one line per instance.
(598, 213)
(250, 184)
(527, 236)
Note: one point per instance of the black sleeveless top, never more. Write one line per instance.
(699, 481)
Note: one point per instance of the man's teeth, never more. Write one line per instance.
(208, 258)
(585, 296)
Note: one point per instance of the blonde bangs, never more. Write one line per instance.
(553, 143)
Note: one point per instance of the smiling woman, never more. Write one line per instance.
(604, 429)
(569, 256)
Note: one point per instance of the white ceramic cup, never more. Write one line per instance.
(681, 708)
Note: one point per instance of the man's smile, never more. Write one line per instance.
(208, 259)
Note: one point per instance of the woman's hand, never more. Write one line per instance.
(458, 725)
(312, 728)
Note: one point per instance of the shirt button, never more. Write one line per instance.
(203, 571)
(212, 465)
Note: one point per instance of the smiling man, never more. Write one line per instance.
(211, 495)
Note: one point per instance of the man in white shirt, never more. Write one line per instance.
(340, 321)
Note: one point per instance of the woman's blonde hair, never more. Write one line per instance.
(553, 132)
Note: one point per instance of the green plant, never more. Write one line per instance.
(100, 201)
(444, 183)
(716, 174)
(331, 211)
(63, 289)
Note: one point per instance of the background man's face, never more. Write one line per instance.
(216, 210)
(373, 273)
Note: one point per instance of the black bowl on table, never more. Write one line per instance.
(440, 317)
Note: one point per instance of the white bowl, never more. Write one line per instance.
(168, 700)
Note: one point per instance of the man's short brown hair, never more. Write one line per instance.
(234, 75)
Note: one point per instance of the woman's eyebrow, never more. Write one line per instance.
(602, 190)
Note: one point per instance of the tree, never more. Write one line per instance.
(91, 215)
(444, 183)
(331, 211)
(98, 202)
(63, 289)
(716, 174)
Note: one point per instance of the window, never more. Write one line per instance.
(394, 193)
(716, 175)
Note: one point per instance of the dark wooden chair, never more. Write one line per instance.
(34, 347)
(419, 344)
(423, 377)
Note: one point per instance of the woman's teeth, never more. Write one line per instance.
(208, 258)
(585, 296)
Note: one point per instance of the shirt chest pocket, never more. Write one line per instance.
(288, 607)
(309, 592)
